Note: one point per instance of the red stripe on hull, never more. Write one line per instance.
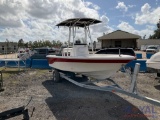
(52, 60)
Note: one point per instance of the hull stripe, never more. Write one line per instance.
(52, 60)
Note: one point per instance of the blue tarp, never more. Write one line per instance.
(40, 63)
(139, 55)
(15, 63)
(148, 55)
(2, 63)
(131, 64)
(33, 63)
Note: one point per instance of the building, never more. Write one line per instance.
(119, 38)
(8, 47)
(146, 42)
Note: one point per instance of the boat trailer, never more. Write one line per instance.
(58, 75)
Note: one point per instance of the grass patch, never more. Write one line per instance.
(41, 71)
(6, 72)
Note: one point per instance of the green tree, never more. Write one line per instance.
(144, 37)
(21, 43)
(26, 45)
(58, 43)
(35, 44)
(30, 44)
(156, 34)
(53, 43)
(47, 43)
(40, 43)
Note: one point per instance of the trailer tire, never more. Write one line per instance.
(84, 77)
(72, 75)
(56, 76)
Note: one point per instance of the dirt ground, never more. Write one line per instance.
(66, 101)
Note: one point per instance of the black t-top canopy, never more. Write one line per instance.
(79, 22)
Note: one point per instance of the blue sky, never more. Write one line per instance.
(126, 11)
(36, 19)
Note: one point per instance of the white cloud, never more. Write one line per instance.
(42, 8)
(36, 19)
(11, 13)
(131, 6)
(122, 6)
(47, 9)
(145, 8)
(6, 22)
(147, 15)
(102, 27)
(89, 4)
(125, 26)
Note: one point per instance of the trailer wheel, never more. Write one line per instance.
(85, 78)
(72, 75)
(56, 76)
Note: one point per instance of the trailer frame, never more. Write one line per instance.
(69, 76)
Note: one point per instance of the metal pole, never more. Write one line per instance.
(119, 51)
(89, 35)
(85, 31)
(5, 64)
(69, 39)
(6, 51)
(69, 36)
(133, 88)
(73, 40)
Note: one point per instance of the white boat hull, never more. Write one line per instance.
(96, 67)
(154, 62)
(95, 70)
(154, 65)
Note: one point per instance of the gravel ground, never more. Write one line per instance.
(66, 101)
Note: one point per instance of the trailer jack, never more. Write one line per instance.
(16, 112)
